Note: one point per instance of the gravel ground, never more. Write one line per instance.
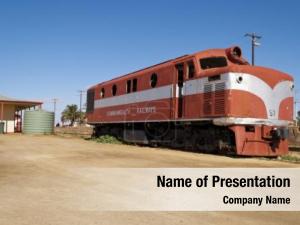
(39, 182)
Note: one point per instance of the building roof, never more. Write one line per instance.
(20, 104)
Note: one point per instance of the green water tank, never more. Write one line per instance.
(38, 122)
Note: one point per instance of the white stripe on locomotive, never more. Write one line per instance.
(250, 83)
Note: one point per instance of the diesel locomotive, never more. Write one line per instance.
(209, 101)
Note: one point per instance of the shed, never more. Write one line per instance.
(11, 112)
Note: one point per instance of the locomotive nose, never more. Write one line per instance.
(272, 89)
(270, 77)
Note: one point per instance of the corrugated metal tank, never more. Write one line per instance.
(38, 122)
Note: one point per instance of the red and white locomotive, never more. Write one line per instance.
(211, 101)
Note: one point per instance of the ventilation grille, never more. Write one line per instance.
(220, 98)
(214, 99)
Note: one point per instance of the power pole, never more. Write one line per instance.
(254, 43)
(81, 92)
(54, 100)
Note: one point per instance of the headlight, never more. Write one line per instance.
(239, 79)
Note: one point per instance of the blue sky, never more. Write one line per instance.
(52, 49)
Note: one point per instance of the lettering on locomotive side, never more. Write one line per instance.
(124, 112)
(143, 110)
(118, 112)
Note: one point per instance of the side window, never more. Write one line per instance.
(128, 86)
(134, 85)
(114, 90)
(191, 69)
(153, 80)
(213, 62)
(102, 93)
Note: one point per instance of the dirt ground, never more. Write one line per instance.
(39, 185)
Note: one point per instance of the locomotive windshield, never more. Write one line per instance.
(213, 62)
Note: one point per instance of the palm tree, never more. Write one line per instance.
(70, 114)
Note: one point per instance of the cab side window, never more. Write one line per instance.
(191, 69)
(213, 62)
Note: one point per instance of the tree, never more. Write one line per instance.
(71, 114)
(298, 118)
